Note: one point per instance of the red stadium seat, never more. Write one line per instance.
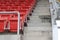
(2, 24)
(23, 6)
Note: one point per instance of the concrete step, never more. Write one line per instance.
(38, 30)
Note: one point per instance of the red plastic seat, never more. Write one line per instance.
(2, 25)
(23, 6)
(14, 23)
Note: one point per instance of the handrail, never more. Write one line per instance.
(13, 12)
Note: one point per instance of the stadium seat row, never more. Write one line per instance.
(9, 21)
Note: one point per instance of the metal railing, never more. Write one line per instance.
(13, 12)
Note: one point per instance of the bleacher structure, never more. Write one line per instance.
(10, 10)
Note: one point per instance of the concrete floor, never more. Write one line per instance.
(36, 30)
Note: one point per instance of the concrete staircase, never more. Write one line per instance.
(38, 30)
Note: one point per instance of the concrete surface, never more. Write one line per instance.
(9, 37)
(38, 30)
